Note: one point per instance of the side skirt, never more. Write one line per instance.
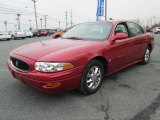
(133, 63)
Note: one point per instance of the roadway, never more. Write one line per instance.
(131, 94)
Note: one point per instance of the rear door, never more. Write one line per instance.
(137, 39)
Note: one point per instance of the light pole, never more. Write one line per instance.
(106, 10)
(15, 27)
(30, 23)
(5, 23)
(18, 20)
(59, 25)
(41, 22)
(66, 14)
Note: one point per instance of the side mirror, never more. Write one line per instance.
(120, 36)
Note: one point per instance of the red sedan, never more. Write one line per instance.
(44, 33)
(82, 57)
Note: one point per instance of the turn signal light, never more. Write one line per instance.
(52, 85)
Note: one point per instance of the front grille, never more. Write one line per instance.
(19, 64)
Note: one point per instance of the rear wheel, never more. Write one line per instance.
(92, 77)
(146, 57)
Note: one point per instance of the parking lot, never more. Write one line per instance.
(131, 94)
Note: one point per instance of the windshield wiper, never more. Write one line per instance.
(75, 38)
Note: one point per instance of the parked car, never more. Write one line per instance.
(51, 31)
(82, 57)
(60, 33)
(36, 33)
(44, 33)
(5, 36)
(18, 34)
(29, 33)
(157, 30)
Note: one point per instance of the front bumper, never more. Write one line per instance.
(63, 81)
(5, 37)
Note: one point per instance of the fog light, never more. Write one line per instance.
(52, 85)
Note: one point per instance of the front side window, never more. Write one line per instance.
(121, 28)
(135, 29)
(89, 31)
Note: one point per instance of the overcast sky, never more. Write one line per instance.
(83, 10)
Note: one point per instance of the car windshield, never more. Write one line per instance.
(89, 31)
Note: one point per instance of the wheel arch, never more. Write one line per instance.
(150, 46)
(103, 60)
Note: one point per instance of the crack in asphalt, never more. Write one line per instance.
(115, 79)
(123, 85)
(105, 108)
(153, 67)
(148, 111)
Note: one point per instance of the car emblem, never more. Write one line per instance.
(17, 63)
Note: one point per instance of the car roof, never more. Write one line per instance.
(114, 22)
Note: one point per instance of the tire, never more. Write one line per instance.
(8, 39)
(91, 81)
(23, 38)
(146, 56)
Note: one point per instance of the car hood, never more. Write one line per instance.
(53, 50)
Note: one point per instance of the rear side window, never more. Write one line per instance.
(135, 29)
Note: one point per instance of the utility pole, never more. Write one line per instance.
(71, 18)
(59, 25)
(66, 14)
(30, 24)
(45, 21)
(35, 12)
(41, 22)
(15, 27)
(106, 10)
(5, 23)
(18, 21)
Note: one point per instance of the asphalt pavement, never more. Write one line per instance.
(131, 94)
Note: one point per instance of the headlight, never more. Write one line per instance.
(52, 67)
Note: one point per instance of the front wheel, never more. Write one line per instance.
(92, 77)
(146, 56)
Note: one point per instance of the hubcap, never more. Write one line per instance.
(94, 77)
(147, 55)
